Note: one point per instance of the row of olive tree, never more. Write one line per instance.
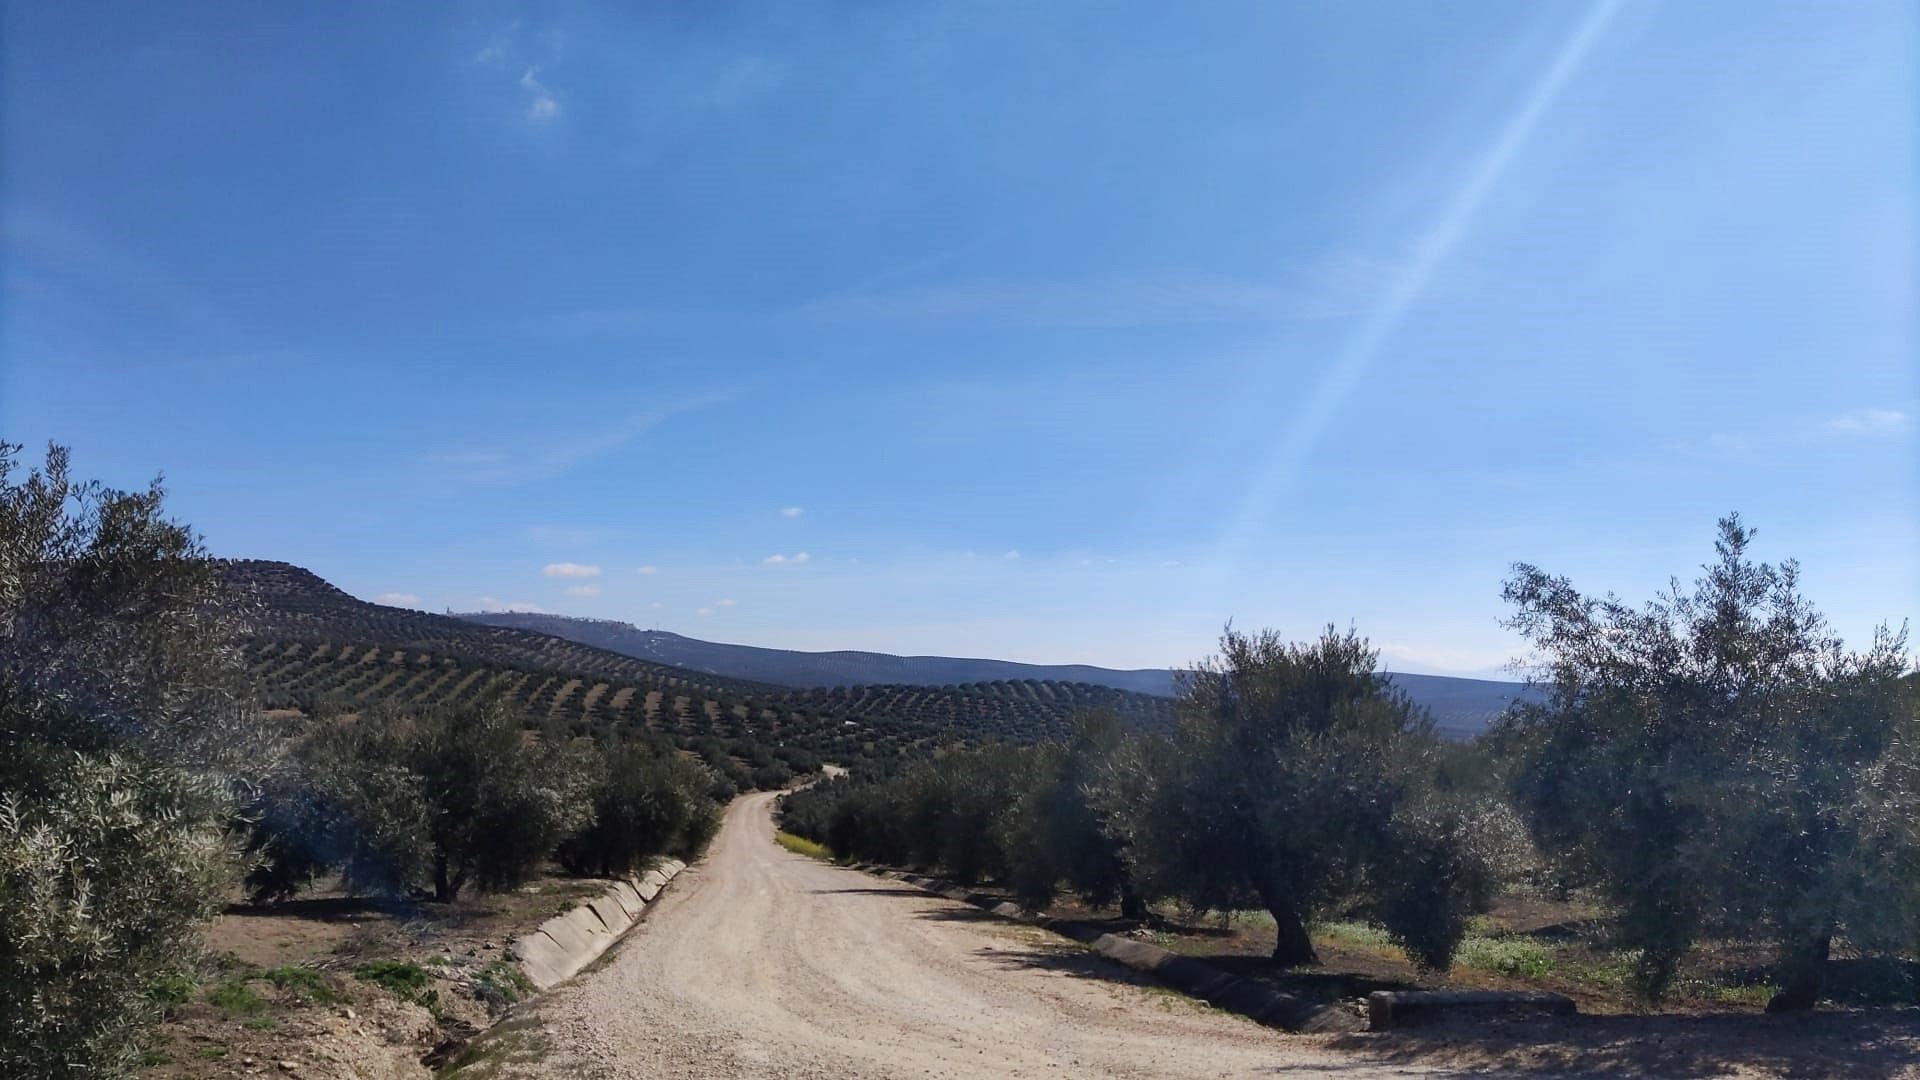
(1296, 780)
(1714, 764)
(429, 804)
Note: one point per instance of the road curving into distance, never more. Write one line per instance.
(759, 962)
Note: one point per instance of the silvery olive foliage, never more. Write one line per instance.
(644, 802)
(125, 738)
(1299, 781)
(401, 805)
(1716, 762)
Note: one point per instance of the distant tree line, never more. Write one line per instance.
(1713, 764)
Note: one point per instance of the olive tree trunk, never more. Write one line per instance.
(1802, 971)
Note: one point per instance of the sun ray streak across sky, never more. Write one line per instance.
(1318, 408)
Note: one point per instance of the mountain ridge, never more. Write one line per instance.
(1461, 707)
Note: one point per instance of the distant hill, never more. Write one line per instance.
(313, 644)
(1461, 707)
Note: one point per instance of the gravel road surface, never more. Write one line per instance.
(759, 962)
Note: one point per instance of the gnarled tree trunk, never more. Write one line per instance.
(1802, 971)
(1291, 946)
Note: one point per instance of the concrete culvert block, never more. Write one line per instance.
(1137, 955)
(1192, 975)
(1398, 1008)
(588, 925)
(541, 959)
(565, 934)
(628, 898)
(611, 913)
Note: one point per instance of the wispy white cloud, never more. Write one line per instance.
(570, 570)
(1871, 423)
(728, 603)
(542, 104)
(398, 599)
(797, 559)
(792, 511)
(648, 571)
(703, 611)
(583, 590)
(1011, 555)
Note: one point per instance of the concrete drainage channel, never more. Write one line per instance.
(566, 943)
(556, 951)
(1193, 976)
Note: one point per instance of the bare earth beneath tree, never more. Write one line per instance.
(760, 962)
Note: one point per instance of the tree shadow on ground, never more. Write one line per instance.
(1881, 1044)
(329, 909)
(1870, 1045)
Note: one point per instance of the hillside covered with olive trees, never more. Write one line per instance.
(312, 645)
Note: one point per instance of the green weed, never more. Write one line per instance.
(1356, 934)
(1516, 956)
(800, 845)
(404, 980)
(303, 983)
(235, 998)
(502, 983)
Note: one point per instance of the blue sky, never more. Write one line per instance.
(1055, 332)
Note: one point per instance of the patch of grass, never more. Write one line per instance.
(304, 983)
(404, 980)
(153, 1059)
(171, 991)
(800, 845)
(262, 1023)
(1516, 956)
(211, 1053)
(1356, 935)
(514, 1042)
(235, 998)
(1615, 974)
(502, 983)
(1754, 995)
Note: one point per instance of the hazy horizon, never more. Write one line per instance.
(1028, 334)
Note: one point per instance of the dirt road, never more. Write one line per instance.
(759, 962)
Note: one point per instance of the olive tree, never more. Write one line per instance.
(1715, 761)
(643, 803)
(1057, 833)
(1300, 781)
(125, 734)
